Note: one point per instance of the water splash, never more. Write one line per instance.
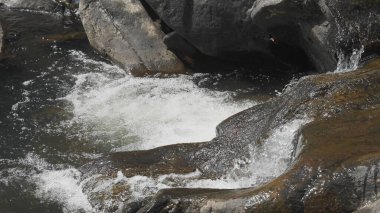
(266, 163)
(349, 62)
(63, 186)
(142, 113)
(57, 183)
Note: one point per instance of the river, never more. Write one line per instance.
(63, 105)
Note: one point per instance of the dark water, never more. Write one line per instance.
(19, 128)
(62, 105)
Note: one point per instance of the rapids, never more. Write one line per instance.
(63, 105)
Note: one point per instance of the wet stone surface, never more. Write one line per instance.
(337, 157)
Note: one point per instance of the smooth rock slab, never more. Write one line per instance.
(335, 162)
(123, 30)
(336, 165)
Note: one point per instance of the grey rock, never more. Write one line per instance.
(212, 26)
(321, 28)
(40, 5)
(123, 30)
(370, 208)
(178, 45)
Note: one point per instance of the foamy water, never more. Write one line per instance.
(143, 113)
(56, 183)
(351, 62)
(110, 106)
(65, 185)
(265, 163)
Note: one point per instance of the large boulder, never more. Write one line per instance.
(40, 5)
(123, 30)
(324, 29)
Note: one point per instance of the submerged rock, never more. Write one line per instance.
(334, 165)
(41, 5)
(67, 36)
(123, 30)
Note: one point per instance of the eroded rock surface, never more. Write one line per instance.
(41, 5)
(336, 168)
(336, 171)
(123, 30)
(337, 157)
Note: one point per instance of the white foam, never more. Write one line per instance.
(266, 163)
(273, 158)
(26, 99)
(350, 62)
(64, 187)
(144, 113)
(53, 183)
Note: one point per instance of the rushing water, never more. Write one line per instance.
(350, 62)
(63, 105)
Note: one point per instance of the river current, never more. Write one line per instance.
(63, 105)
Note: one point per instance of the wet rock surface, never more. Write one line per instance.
(320, 28)
(328, 176)
(41, 5)
(123, 30)
(334, 167)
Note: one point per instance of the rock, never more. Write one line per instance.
(334, 167)
(336, 170)
(41, 5)
(1, 40)
(178, 45)
(123, 30)
(370, 208)
(323, 29)
(70, 6)
(212, 26)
